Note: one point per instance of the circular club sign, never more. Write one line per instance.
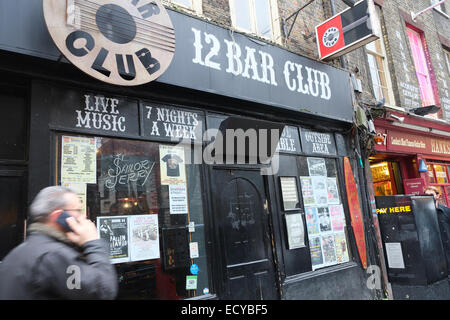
(122, 42)
(330, 37)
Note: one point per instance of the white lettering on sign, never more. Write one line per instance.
(102, 114)
(258, 65)
(177, 124)
(319, 141)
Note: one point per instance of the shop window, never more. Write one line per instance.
(423, 72)
(379, 71)
(147, 204)
(430, 174)
(255, 16)
(324, 212)
(386, 177)
(439, 176)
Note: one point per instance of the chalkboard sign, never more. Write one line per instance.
(289, 141)
(92, 111)
(317, 142)
(167, 123)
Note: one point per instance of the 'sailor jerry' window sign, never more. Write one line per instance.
(120, 42)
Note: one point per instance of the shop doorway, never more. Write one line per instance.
(242, 216)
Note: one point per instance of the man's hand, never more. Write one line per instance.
(84, 230)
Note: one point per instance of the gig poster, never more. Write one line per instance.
(312, 222)
(114, 230)
(340, 243)
(172, 165)
(333, 193)
(307, 191)
(315, 248)
(78, 160)
(144, 237)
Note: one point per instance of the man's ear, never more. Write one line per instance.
(53, 216)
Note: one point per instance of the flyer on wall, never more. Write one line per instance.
(114, 230)
(315, 247)
(172, 165)
(333, 192)
(144, 237)
(78, 160)
(178, 199)
(319, 185)
(317, 167)
(295, 231)
(307, 191)
(289, 193)
(337, 217)
(312, 221)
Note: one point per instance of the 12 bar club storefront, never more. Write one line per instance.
(178, 226)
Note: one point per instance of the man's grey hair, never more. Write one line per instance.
(46, 201)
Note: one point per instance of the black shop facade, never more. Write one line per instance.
(185, 218)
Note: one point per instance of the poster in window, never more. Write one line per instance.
(114, 230)
(289, 193)
(178, 199)
(172, 165)
(337, 217)
(324, 219)
(333, 192)
(144, 237)
(317, 167)
(315, 248)
(319, 185)
(78, 160)
(295, 231)
(328, 249)
(341, 247)
(307, 191)
(312, 222)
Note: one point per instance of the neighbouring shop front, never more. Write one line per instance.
(414, 154)
(183, 217)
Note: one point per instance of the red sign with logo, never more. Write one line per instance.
(330, 36)
(347, 31)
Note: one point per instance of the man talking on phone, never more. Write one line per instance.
(62, 256)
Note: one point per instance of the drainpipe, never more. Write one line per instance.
(368, 194)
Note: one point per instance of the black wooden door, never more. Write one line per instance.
(243, 222)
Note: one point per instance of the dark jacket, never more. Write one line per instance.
(443, 214)
(48, 266)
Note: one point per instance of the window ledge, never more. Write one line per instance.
(320, 272)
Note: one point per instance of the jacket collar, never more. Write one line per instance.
(38, 227)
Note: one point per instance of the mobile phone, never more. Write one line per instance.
(61, 220)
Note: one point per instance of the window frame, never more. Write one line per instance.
(442, 186)
(428, 92)
(384, 67)
(275, 34)
(196, 5)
